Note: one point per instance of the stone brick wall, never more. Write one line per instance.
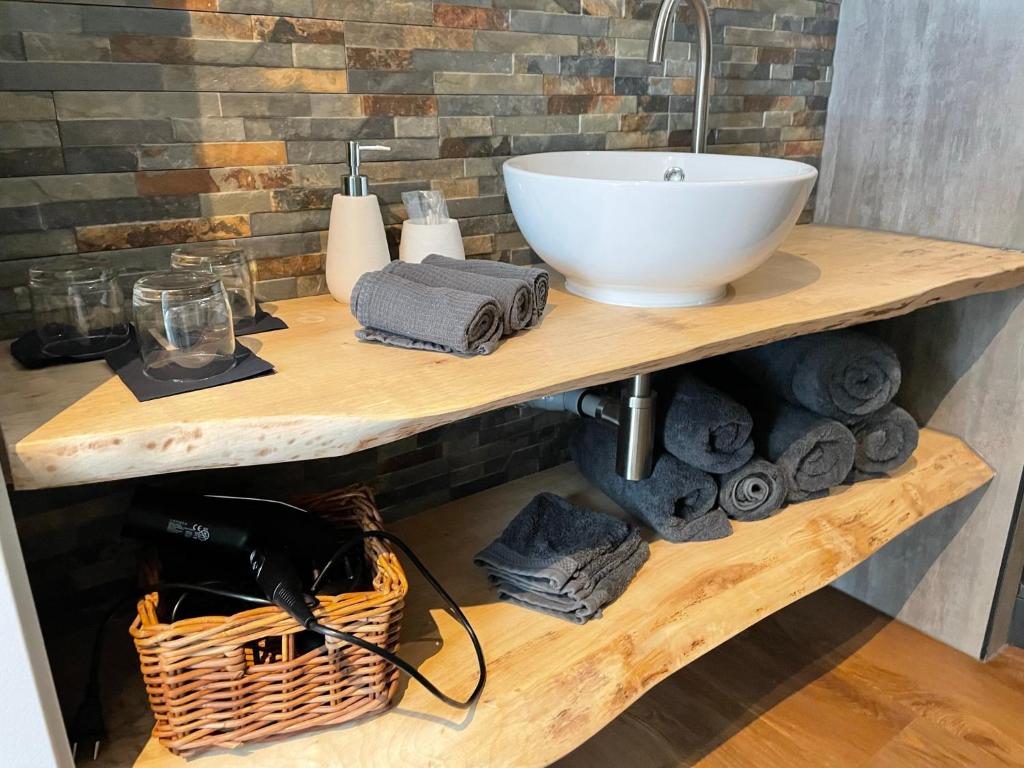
(130, 126)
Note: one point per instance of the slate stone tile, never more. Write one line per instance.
(100, 159)
(289, 29)
(385, 81)
(91, 133)
(31, 162)
(79, 76)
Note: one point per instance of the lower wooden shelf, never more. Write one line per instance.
(552, 685)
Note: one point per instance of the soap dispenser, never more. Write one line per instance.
(355, 241)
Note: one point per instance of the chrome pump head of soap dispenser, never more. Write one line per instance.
(356, 184)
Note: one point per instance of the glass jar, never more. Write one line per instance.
(78, 307)
(233, 268)
(184, 325)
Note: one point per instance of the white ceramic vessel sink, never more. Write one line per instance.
(622, 234)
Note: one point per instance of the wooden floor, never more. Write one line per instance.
(824, 682)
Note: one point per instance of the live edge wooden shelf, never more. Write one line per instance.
(552, 685)
(332, 396)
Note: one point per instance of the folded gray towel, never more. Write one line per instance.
(537, 278)
(585, 580)
(550, 540)
(583, 608)
(676, 500)
(844, 375)
(753, 492)
(515, 297)
(885, 440)
(706, 428)
(813, 453)
(402, 313)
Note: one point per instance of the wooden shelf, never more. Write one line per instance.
(332, 395)
(552, 684)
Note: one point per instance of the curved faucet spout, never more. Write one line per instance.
(702, 89)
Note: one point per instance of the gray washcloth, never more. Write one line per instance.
(844, 375)
(676, 500)
(515, 297)
(551, 540)
(813, 453)
(578, 609)
(706, 428)
(885, 440)
(402, 313)
(585, 580)
(537, 278)
(753, 492)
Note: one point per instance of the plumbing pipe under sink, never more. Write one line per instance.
(632, 414)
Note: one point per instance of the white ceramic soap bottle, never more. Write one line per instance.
(355, 241)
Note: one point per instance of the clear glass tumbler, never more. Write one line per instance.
(232, 266)
(78, 307)
(184, 325)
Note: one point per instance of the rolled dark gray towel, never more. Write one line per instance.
(843, 375)
(813, 453)
(676, 500)
(753, 492)
(550, 540)
(706, 428)
(538, 278)
(578, 609)
(402, 313)
(885, 440)
(515, 297)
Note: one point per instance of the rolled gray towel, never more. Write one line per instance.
(813, 453)
(706, 428)
(538, 278)
(885, 440)
(515, 297)
(579, 609)
(402, 313)
(585, 580)
(550, 540)
(843, 375)
(753, 492)
(676, 500)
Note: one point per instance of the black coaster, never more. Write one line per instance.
(261, 324)
(128, 365)
(28, 350)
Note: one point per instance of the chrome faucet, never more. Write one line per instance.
(656, 55)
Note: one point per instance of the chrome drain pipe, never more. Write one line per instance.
(632, 414)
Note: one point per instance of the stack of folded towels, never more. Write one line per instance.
(562, 559)
(448, 305)
(739, 439)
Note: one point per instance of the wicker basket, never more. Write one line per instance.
(224, 681)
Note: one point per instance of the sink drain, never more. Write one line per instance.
(674, 174)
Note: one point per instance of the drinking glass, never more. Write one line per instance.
(184, 325)
(78, 307)
(230, 264)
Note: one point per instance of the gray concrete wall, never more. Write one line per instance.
(925, 135)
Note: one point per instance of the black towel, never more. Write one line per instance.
(706, 428)
(755, 491)
(813, 453)
(844, 375)
(676, 501)
(551, 541)
(885, 441)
